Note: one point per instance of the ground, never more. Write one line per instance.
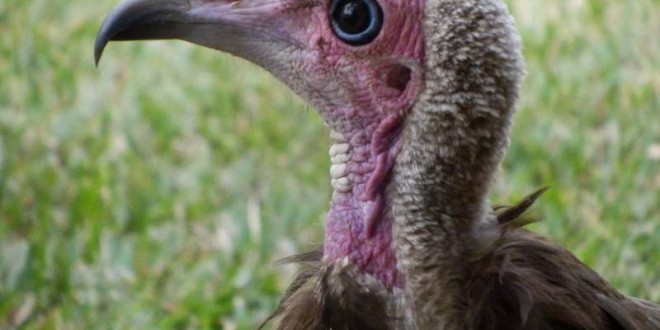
(156, 191)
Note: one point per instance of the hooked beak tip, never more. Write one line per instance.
(99, 46)
(140, 20)
(103, 36)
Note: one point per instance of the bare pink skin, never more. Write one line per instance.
(358, 225)
(362, 92)
(368, 111)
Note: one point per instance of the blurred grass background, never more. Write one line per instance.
(156, 191)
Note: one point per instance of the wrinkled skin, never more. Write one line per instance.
(419, 119)
(362, 92)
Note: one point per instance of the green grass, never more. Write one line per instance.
(156, 191)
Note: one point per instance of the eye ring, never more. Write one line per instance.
(355, 22)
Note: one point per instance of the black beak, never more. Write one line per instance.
(255, 30)
(142, 20)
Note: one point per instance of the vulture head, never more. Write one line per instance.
(418, 97)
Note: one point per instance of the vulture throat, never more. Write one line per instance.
(360, 63)
(418, 96)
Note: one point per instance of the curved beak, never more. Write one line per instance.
(142, 20)
(252, 29)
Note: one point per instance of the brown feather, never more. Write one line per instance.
(336, 297)
(514, 214)
(347, 304)
(523, 281)
(299, 296)
(527, 282)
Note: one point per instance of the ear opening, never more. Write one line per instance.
(397, 76)
(397, 84)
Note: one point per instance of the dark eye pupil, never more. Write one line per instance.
(356, 22)
(354, 17)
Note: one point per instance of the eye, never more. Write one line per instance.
(356, 22)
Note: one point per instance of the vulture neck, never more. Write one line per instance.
(358, 226)
(451, 145)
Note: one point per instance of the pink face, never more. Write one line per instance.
(363, 93)
(358, 62)
(295, 40)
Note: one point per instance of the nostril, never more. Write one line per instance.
(397, 76)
